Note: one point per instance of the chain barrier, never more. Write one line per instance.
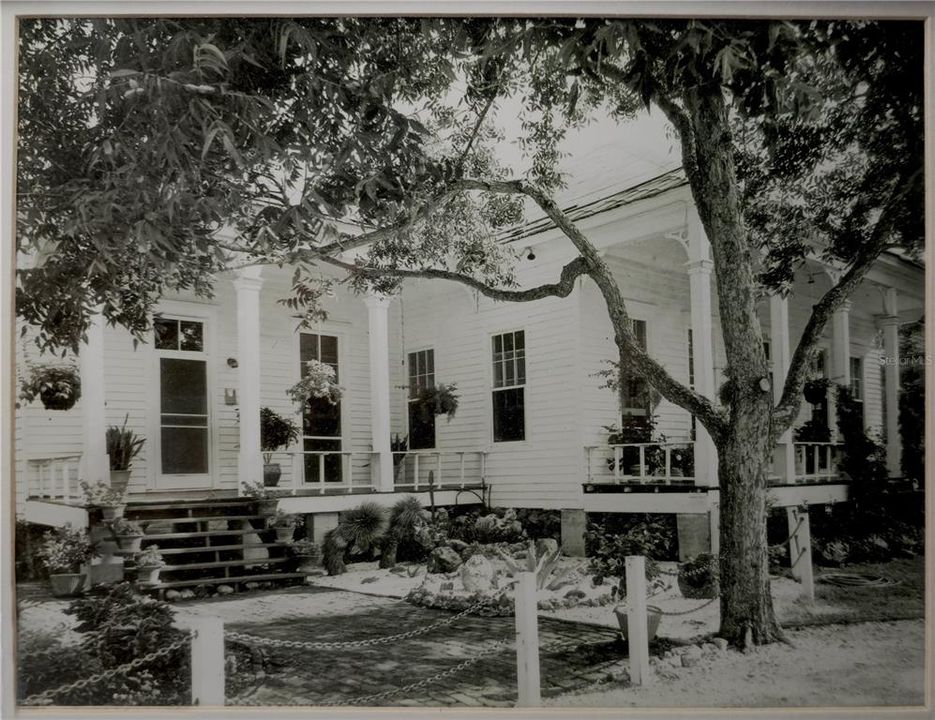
(493, 649)
(791, 535)
(688, 612)
(46, 696)
(247, 639)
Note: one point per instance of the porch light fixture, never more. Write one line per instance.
(530, 255)
(232, 363)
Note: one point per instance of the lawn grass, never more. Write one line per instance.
(902, 601)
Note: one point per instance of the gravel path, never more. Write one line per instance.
(866, 664)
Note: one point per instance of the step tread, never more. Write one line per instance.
(206, 518)
(225, 563)
(225, 581)
(194, 504)
(201, 533)
(213, 548)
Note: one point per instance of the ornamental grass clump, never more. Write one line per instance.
(357, 533)
(123, 445)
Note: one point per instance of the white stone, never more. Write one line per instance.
(477, 574)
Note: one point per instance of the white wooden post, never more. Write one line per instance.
(208, 662)
(840, 360)
(805, 550)
(247, 286)
(527, 641)
(637, 621)
(618, 458)
(91, 363)
(781, 357)
(700, 267)
(382, 462)
(890, 325)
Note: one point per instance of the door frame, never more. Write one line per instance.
(207, 315)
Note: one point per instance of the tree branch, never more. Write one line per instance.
(713, 418)
(563, 288)
(788, 407)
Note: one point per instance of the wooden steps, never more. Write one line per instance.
(198, 554)
(227, 581)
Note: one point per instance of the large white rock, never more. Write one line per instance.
(477, 574)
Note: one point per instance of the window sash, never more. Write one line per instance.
(509, 360)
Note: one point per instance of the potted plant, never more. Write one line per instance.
(318, 381)
(275, 432)
(698, 577)
(64, 551)
(111, 502)
(129, 535)
(398, 446)
(438, 400)
(57, 386)
(284, 525)
(148, 564)
(308, 556)
(123, 445)
(267, 499)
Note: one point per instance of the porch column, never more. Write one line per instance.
(784, 453)
(699, 278)
(840, 361)
(247, 284)
(381, 466)
(890, 325)
(91, 368)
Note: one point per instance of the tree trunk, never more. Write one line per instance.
(744, 457)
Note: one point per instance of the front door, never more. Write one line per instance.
(321, 421)
(184, 440)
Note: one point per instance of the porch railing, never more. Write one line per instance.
(448, 468)
(55, 477)
(816, 462)
(667, 463)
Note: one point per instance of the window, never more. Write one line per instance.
(634, 390)
(509, 380)
(857, 378)
(321, 421)
(820, 409)
(183, 396)
(421, 376)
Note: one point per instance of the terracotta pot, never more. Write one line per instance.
(267, 507)
(119, 479)
(271, 474)
(148, 574)
(66, 584)
(653, 618)
(112, 512)
(130, 543)
(284, 534)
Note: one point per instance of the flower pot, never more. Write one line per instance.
(271, 474)
(284, 534)
(130, 543)
(267, 507)
(147, 574)
(653, 618)
(119, 479)
(112, 512)
(66, 584)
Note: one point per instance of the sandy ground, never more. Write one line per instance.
(871, 664)
(368, 578)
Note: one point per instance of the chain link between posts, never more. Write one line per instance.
(46, 696)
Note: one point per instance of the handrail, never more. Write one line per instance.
(646, 470)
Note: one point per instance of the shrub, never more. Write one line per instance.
(357, 533)
(611, 537)
(541, 523)
(65, 549)
(27, 542)
(406, 518)
(117, 625)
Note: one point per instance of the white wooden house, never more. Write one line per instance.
(530, 426)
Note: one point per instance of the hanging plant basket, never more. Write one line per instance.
(816, 391)
(58, 387)
(438, 400)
